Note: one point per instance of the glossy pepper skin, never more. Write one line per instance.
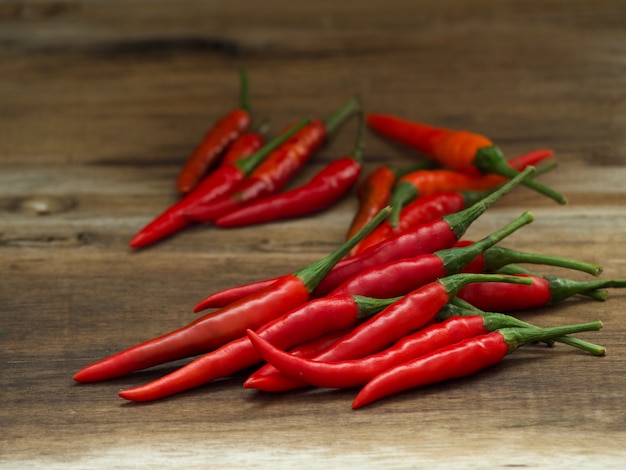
(357, 372)
(223, 133)
(325, 188)
(278, 169)
(405, 275)
(461, 150)
(543, 291)
(374, 193)
(247, 144)
(411, 312)
(458, 360)
(426, 238)
(218, 183)
(426, 208)
(227, 324)
(308, 322)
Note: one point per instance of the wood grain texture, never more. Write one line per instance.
(102, 101)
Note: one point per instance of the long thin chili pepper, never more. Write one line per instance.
(429, 207)
(243, 147)
(356, 372)
(221, 181)
(374, 192)
(215, 141)
(411, 312)
(543, 291)
(426, 238)
(305, 323)
(278, 169)
(510, 268)
(399, 277)
(324, 189)
(459, 307)
(227, 324)
(459, 360)
(458, 150)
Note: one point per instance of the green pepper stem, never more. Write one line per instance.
(491, 160)
(512, 269)
(460, 221)
(333, 122)
(248, 164)
(368, 306)
(516, 337)
(562, 288)
(497, 257)
(493, 321)
(455, 259)
(313, 274)
(403, 193)
(357, 153)
(244, 94)
(455, 282)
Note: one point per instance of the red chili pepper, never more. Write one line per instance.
(597, 294)
(243, 147)
(356, 372)
(463, 151)
(543, 291)
(374, 192)
(426, 208)
(222, 326)
(411, 312)
(215, 141)
(458, 360)
(399, 277)
(305, 323)
(426, 238)
(277, 170)
(220, 182)
(324, 189)
(459, 307)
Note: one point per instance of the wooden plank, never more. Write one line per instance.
(101, 103)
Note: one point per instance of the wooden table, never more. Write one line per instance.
(100, 103)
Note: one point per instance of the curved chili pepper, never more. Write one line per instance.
(426, 238)
(399, 277)
(543, 291)
(411, 312)
(429, 207)
(324, 189)
(278, 169)
(227, 324)
(463, 151)
(352, 373)
(459, 360)
(247, 144)
(221, 135)
(305, 323)
(374, 192)
(218, 183)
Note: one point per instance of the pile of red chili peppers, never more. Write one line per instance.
(406, 301)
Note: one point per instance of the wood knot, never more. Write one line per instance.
(43, 205)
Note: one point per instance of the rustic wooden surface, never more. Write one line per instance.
(101, 101)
